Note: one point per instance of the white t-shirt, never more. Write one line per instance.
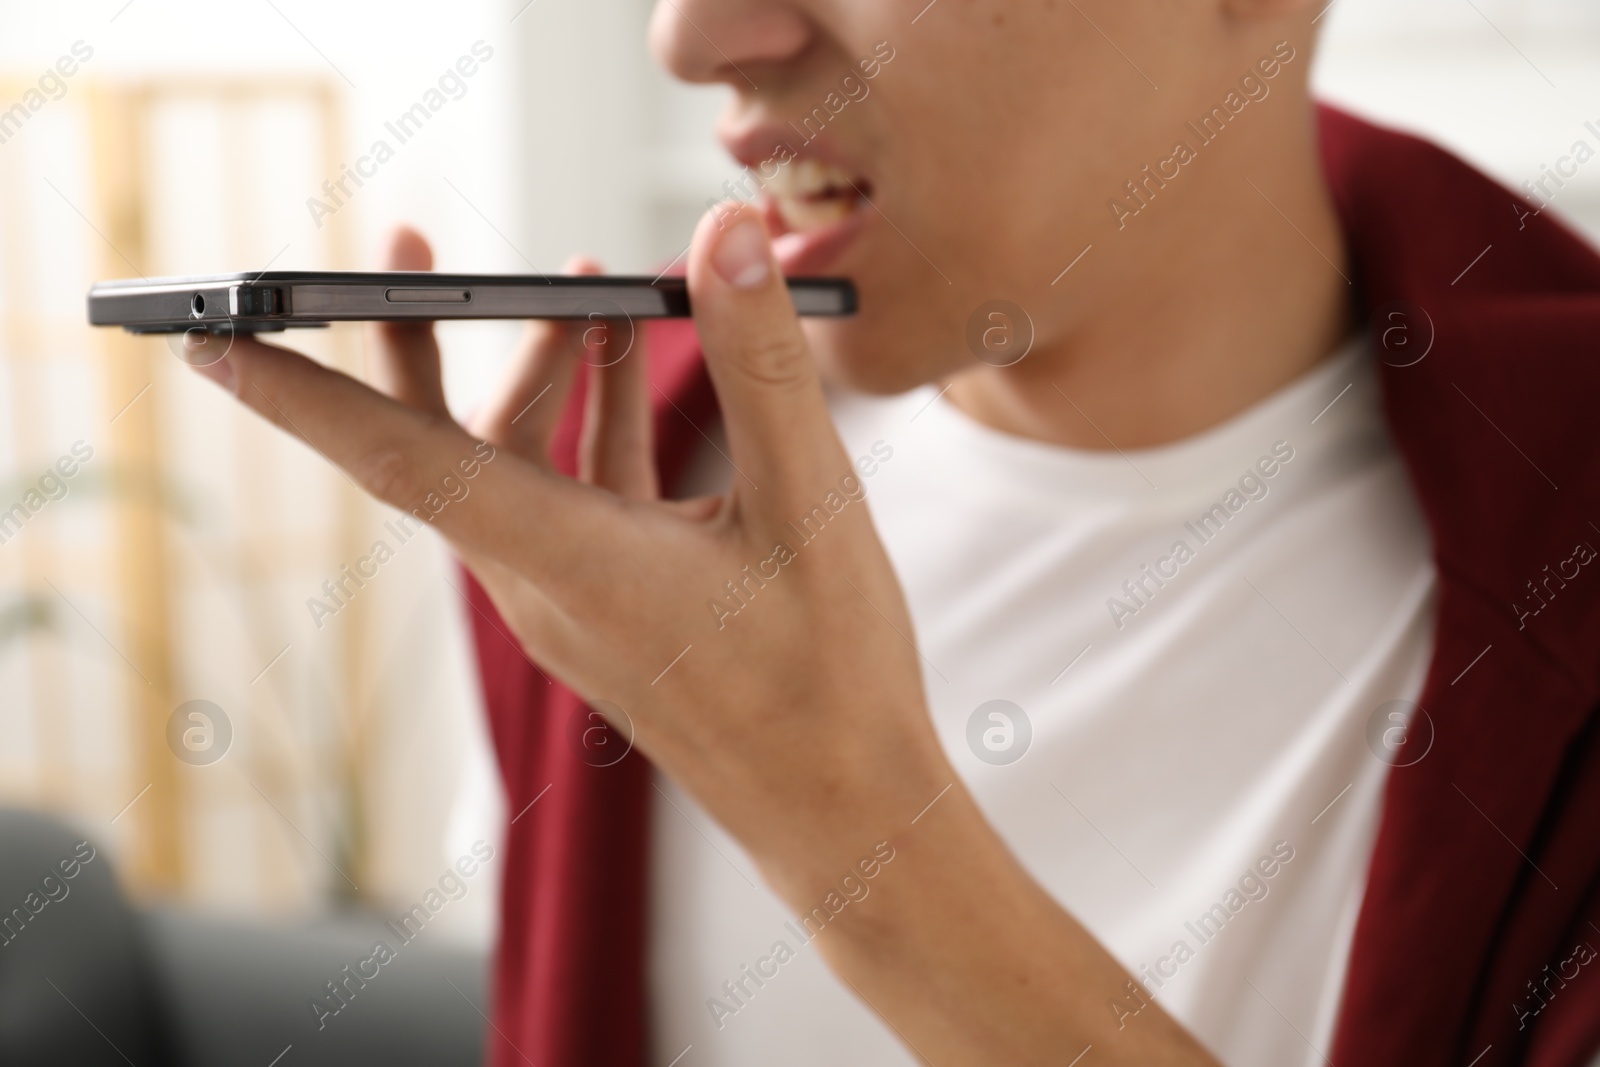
(1198, 789)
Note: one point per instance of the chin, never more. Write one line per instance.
(876, 355)
(819, 211)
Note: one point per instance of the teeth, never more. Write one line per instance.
(806, 215)
(811, 194)
(808, 177)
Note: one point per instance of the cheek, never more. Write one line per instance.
(985, 178)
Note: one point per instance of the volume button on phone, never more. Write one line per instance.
(428, 296)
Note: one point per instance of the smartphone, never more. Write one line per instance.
(276, 300)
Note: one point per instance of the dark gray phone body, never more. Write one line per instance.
(276, 300)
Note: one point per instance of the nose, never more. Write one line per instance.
(727, 41)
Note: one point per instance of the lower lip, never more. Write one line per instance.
(816, 251)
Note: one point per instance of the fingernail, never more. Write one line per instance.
(742, 256)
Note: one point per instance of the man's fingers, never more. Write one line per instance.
(403, 357)
(616, 452)
(777, 421)
(532, 622)
(418, 461)
(522, 414)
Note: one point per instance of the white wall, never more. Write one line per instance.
(1507, 84)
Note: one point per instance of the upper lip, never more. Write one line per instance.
(756, 144)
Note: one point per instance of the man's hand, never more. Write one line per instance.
(606, 585)
(800, 724)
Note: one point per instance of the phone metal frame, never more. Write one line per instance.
(277, 300)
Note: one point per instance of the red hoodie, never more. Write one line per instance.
(1482, 911)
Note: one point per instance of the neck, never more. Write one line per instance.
(1210, 300)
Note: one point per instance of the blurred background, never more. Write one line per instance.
(338, 761)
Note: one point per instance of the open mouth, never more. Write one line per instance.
(814, 210)
(808, 195)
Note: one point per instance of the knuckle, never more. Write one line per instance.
(780, 360)
(391, 474)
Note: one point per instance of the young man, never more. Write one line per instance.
(1210, 675)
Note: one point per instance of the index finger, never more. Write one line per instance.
(419, 461)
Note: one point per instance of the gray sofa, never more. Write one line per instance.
(87, 979)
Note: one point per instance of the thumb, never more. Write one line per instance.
(773, 409)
